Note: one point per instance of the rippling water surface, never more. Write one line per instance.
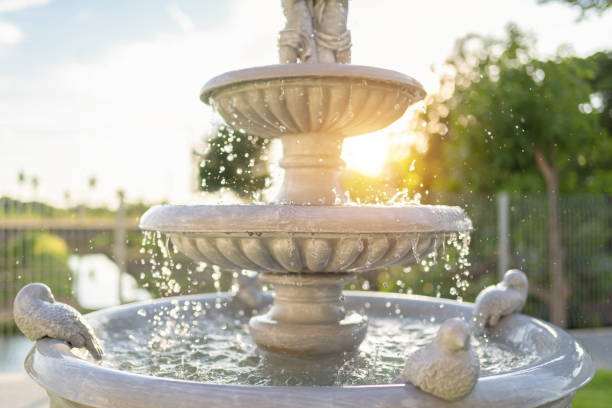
(190, 342)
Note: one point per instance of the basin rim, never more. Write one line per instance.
(278, 218)
(69, 378)
(290, 71)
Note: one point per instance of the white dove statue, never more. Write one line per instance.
(497, 301)
(38, 315)
(447, 367)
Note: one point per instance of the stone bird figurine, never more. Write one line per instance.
(500, 300)
(38, 315)
(447, 367)
(249, 292)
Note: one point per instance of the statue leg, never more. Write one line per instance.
(287, 54)
(295, 40)
(325, 55)
(343, 57)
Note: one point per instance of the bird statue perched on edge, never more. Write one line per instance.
(447, 367)
(249, 292)
(497, 301)
(38, 315)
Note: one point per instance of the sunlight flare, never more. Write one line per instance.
(366, 154)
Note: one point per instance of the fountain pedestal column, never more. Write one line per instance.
(313, 168)
(307, 317)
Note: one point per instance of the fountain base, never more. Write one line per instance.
(308, 316)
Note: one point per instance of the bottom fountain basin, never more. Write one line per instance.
(550, 380)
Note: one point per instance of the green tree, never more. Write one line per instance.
(235, 161)
(504, 120)
(602, 83)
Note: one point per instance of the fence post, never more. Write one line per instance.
(120, 249)
(503, 231)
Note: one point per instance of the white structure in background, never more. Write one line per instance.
(96, 282)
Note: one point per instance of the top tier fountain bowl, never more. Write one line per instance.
(308, 245)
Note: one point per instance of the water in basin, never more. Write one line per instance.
(207, 343)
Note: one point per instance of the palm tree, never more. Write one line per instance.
(92, 183)
(35, 183)
(67, 198)
(21, 179)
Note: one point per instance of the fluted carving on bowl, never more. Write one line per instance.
(306, 253)
(346, 107)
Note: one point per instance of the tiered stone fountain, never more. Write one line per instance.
(308, 245)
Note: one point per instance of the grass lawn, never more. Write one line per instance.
(597, 393)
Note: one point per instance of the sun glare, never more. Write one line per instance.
(366, 154)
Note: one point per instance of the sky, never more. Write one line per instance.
(109, 89)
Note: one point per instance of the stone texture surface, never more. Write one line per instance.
(308, 316)
(315, 32)
(306, 253)
(331, 99)
(38, 315)
(447, 367)
(496, 301)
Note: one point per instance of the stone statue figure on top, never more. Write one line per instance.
(315, 32)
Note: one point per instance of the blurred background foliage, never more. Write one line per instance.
(39, 254)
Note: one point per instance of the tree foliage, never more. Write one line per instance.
(234, 161)
(602, 84)
(505, 120)
(499, 106)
